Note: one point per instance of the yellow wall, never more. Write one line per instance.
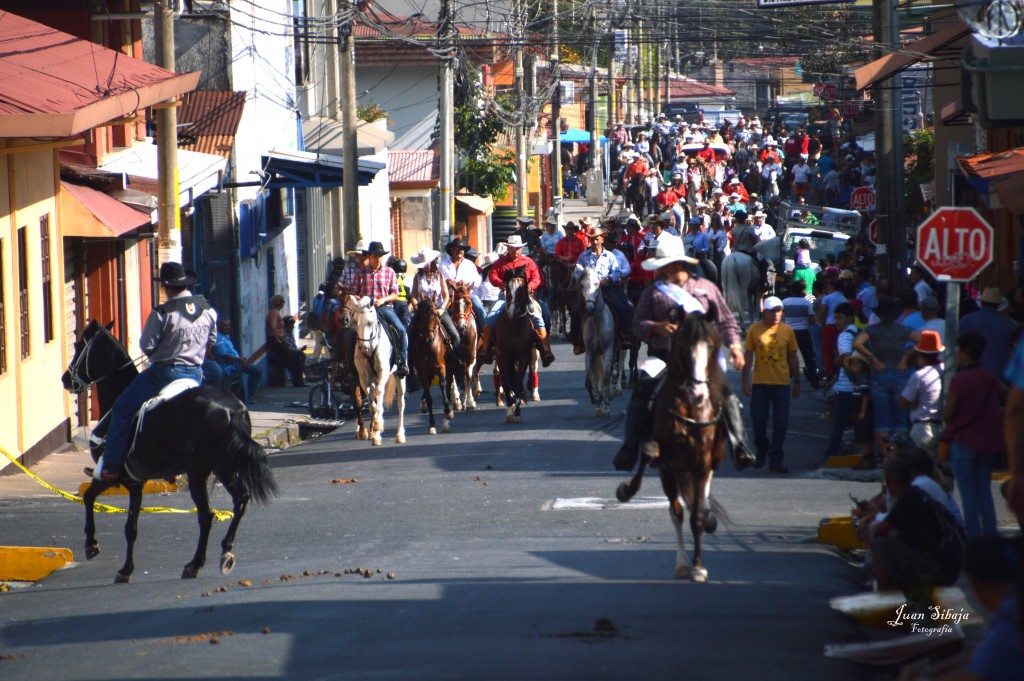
(32, 385)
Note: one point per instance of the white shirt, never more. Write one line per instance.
(801, 173)
(486, 292)
(548, 241)
(764, 231)
(466, 272)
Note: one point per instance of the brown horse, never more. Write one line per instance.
(514, 341)
(342, 324)
(687, 441)
(561, 293)
(461, 311)
(430, 356)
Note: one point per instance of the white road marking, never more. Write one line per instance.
(600, 504)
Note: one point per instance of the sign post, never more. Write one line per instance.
(954, 245)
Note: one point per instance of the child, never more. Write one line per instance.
(857, 370)
(803, 255)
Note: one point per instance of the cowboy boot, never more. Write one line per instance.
(732, 418)
(546, 356)
(638, 424)
(486, 353)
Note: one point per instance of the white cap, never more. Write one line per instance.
(772, 303)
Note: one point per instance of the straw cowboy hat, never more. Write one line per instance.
(424, 257)
(992, 296)
(930, 343)
(174, 274)
(593, 232)
(524, 220)
(358, 249)
(666, 254)
(858, 356)
(587, 222)
(489, 259)
(514, 241)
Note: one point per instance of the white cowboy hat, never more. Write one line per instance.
(358, 249)
(514, 241)
(489, 259)
(666, 254)
(759, 214)
(424, 257)
(587, 222)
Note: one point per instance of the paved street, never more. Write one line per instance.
(491, 579)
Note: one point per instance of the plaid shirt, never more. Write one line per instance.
(654, 306)
(375, 284)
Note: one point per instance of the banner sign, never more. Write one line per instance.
(768, 4)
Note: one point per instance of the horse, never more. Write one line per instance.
(741, 279)
(343, 323)
(638, 196)
(376, 373)
(687, 438)
(601, 341)
(561, 290)
(429, 356)
(514, 341)
(198, 432)
(461, 310)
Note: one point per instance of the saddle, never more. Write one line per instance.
(393, 337)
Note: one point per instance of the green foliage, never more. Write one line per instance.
(492, 173)
(919, 164)
(370, 112)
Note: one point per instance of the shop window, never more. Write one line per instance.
(44, 249)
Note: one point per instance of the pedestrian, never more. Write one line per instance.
(922, 396)
(997, 328)
(231, 363)
(798, 313)
(884, 344)
(279, 352)
(833, 298)
(929, 308)
(854, 367)
(1013, 427)
(771, 376)
(974, 416)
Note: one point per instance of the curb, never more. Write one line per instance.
(279, 437)
(31, 563)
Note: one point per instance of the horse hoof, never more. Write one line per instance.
(622, 492)
(362, 434)
(432, 431)
(423, 406)
(92, 551)
(710, 523)
(470, 407)
(682, 572)
(458, 405)
(618, 392)
(510, 419)
(400, 439)
(517, 419)
(122, 579)
(190, 572)
(376, 441)
(699, 575)
(446, 428)
(227, 563)
(535, 396)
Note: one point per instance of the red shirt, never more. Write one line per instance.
(637, 167)
(571, 247)
(375, 283)
(707, 153)
(667, 197)
(504, 263)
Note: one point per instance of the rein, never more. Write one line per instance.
(78, 386)
(693, 423)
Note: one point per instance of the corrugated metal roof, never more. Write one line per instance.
(97, 214)
(885, 67)
(993, 166)
(685, 88)
(422, 167)
(208, 121)
(54, 84)
(373, 26)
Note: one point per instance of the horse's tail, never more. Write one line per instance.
(390, 391)
(245, 462)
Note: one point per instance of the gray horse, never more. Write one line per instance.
(741, 279)
(599, 337)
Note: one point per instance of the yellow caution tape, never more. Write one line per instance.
(103, 508)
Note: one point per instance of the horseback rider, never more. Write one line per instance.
(745, 236)
(457, 269)
(606, 263)
(174, 338)
(380, 284)
(514, 259)
(429, 284)
(402, 302)
(657, 317)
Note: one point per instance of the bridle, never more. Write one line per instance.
(81, 360)
(367, 345)
(463, 310)
(510, 298)
(592, 307)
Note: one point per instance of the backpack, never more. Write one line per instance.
(315, 311)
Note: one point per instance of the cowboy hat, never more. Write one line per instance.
(759, 214)
(514, 241)
(551, 217)
(587, 222)
(376, 248)
(358, 249)
(846, 275)
(629, 217)
(457, 242)
(174, 274)
(930, 343)
(594, 232)
(489, 259)
(991, 296)
(855, 355)
(666, 254)
(424, 257)
(524, 220)
(471, 254)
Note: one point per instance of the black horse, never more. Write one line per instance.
(198, 432)
(638, 196)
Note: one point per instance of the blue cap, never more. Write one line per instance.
(695, 221)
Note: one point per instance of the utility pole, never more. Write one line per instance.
(889, 143)
(556, 113)
(627, 85)
(446, 38)
(595, 178)
(350, 152)
(169, 227)
(522, 192)
(613, 108)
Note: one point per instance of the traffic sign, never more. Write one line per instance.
(863, 198)
(955, 244)
(873, 232)
(826, 90)
(849, 109)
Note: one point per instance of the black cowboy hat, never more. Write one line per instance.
(174, 274)
(375, 248)
(457, 242)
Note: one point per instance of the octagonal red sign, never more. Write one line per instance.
(955, 244)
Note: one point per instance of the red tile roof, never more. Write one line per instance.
(686, 88)
(208, 121)
(53, 84)
(769, 62)
(385, 27)
(413, 168)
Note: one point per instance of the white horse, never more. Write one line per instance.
(741, 280)
(376, 373)
(599, 339)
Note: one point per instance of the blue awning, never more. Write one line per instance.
(303, 169)
(578, 136)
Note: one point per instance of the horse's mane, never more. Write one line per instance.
(696, 328)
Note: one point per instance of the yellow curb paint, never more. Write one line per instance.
(151, 487)
(1000, 476)
(846, 461)
(31, 563)
(874, 608)
(839, 532)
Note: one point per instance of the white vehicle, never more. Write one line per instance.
(822, 242)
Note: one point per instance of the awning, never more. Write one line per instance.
(891, 64)
(89, 213)
(1000, 174)
(325, 135)
(303, 169)
(578, 136)
(483, 205)
(198, 173)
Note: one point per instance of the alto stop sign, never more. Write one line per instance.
(863, 198)
(955, 244)
(873, 232)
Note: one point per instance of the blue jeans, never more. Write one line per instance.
(213, 373)
(536, 314)
(973, 475)
(886, 386)
(145, 386)
(816, 339)
(389, 316)
(478, 312)
(773, 400)
(842, 416)
(250, 382)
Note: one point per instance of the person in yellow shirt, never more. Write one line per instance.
(771, 368)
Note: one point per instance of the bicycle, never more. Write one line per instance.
(324, 396)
